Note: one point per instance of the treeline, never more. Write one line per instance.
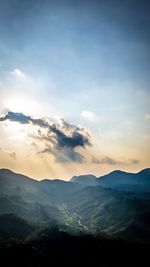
(52, 247)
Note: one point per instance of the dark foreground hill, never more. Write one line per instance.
(51, 247)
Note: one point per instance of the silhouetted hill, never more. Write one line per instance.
(51, 247)
(133, 182)
(11, 182)
(118, 180)
(117, 203)
(14, 227)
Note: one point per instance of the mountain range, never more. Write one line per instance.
(114, 205)
(118, 180)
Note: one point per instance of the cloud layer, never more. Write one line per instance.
(88, 115)
(111, 161)
(61, 139)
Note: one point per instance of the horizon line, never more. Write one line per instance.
(61, 179)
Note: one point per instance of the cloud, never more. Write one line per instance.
(95, 160)
(75, 139)
(134, 161)
(64, 155)
(23, 119)
(61, 139)
(12, 155)
(88, 115)
(147, 116)
(111, 161)
(18, 73)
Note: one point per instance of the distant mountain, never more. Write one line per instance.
(38, 201)
(45, 191)
(118, 180)
(145, 175)
(58, 190)
(113, 204)
(11, 182)
(85, 180)
(124, 181)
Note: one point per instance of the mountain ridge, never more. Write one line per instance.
(75, 176)
(98, 205)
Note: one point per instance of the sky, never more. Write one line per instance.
(74, 86)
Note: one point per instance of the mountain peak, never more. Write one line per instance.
(118, 172)
(144, 171)
(86, 179)
(6, 170)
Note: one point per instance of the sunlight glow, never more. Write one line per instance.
(23, 104)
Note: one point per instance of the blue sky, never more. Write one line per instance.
(84, 61)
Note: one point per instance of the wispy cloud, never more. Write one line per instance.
(61, 139)
(88, 115)
(18, 73)
(147, 116)
(110, 161)
(12, 155)
(95, 160)
(64, 155)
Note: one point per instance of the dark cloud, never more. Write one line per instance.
(64, 155)
(23, 119)
(18, 117)
(111, 161)
(75, 139)
(62, 138)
